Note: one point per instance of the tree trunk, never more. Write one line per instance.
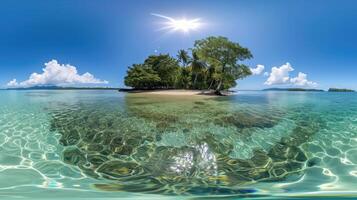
(194, 81)
(210, 85)
(218, 89)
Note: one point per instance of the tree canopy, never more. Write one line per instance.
(223, 55)
(214, 64)
(142, 76)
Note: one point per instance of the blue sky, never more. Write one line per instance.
(317, 38)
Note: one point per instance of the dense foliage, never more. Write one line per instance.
(213, 64)
(340, 90)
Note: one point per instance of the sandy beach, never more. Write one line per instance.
(175, 92)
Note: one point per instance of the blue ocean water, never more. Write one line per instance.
(106, 145)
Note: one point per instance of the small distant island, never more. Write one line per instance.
(212, 65)
(340, 90)
(294, 89)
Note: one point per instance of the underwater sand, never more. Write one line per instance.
(105, 144)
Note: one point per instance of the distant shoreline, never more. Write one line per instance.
(61, 88)
(184, 92)
(294, 89)
(309, 90)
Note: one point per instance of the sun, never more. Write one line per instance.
(184, 25)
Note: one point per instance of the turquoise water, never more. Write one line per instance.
(106, 145)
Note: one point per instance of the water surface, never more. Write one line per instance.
(105, 144)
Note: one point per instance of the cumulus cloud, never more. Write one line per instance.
(266, 74)
(279, 75)
(301, 80)
(12, 83)
(258, 70)
(57, 74)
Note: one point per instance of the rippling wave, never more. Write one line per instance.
(250, 144)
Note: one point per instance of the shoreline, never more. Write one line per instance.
(176, 92)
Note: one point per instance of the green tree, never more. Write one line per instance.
(183, 57)
(213, 75)
(185, 80)
(141, 76)
(214, 64)
(224, 55)
(185, 71)
(197, 68)
(167, 69)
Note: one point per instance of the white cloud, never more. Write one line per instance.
(301, 80)
(57, 74)
(266, 74)
(12, 83)
(258, 70)
(279, 75)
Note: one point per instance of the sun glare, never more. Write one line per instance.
(184, 25)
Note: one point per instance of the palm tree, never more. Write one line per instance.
(183, 57)
(185, 60)
(197, 66)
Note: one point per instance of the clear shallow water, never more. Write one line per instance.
(105, 144)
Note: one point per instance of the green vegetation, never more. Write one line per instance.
(212, 64)
(340, 90)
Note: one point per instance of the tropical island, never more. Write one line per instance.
(340, 90)
(211, 65)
